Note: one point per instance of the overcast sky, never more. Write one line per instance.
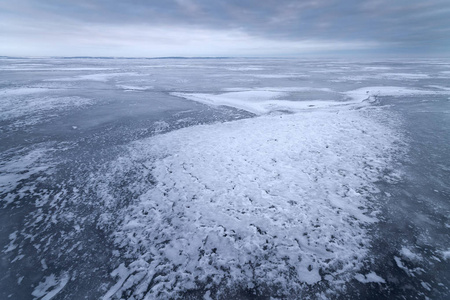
(225, 28)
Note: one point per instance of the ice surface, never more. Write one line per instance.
(278, 201)
(286, 202)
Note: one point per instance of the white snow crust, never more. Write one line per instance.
(257, 101)
(266, 100)
(275, 201)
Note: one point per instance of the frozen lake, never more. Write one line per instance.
(224, 179)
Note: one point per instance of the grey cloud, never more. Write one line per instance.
(397, 24)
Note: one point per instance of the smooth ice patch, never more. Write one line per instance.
(277, 201)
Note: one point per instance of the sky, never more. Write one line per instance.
(237, 28)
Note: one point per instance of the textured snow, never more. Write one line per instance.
(27, 110)
(276, 201)
(20, 167)
(15, 107)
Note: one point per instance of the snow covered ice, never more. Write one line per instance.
(271, 201)
(224, 178)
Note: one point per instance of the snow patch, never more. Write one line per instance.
(50, 287)
(21, 167)
(446, 254)
(371, 277)
(276, 200)
(408, 254)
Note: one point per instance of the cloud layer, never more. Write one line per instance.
(224, 28)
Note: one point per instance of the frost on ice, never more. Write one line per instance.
(277, 202)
